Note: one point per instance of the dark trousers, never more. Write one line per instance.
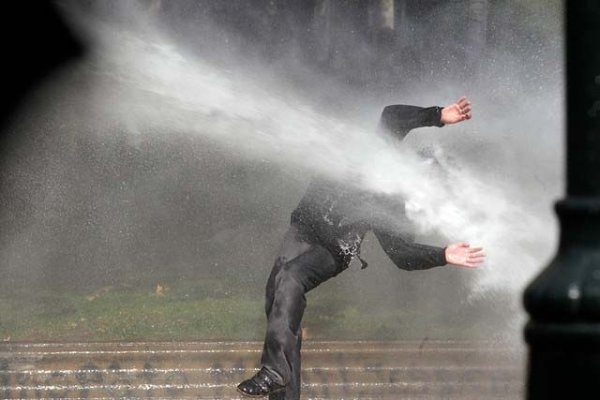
(300, 267)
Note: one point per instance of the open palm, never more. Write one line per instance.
(463, 255)
(458, 111)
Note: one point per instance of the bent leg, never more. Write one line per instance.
(285, 306)
(292, 246)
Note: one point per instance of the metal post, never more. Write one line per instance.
(564, 300)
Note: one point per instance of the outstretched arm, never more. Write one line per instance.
(407, 254)
(411, 256)
(400, 119)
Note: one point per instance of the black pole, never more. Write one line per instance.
(564, 300)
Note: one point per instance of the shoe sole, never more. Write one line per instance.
(258, 396)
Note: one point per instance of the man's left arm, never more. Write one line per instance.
(411, 256)
(408, 255)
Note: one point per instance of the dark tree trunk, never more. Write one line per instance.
(476, 34)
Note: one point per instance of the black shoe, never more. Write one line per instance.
(259, 385)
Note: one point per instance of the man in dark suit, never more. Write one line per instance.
(326, 232)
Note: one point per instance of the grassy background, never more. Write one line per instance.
(207, 309)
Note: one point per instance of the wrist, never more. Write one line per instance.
(440, 116)
(444, 256)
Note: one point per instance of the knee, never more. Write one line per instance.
(289, 279)
(288, 294)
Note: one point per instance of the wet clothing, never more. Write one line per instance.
(338, 216)
(300, 267)
(338, 219)
(326, 232)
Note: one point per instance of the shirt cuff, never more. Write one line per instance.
(438, 116)
(432, 116)
(441, 256)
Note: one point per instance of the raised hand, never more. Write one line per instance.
(458, 111)
(463, 255)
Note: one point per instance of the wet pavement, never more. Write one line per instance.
(210, 370)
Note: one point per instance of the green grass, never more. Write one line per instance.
(182, 313)
(205, 310)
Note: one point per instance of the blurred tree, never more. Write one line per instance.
(476, 34)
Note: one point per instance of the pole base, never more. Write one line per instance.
(564, 360)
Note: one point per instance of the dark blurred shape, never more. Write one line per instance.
(36, 42)
(564, 301)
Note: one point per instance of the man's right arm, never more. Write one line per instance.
(400, 119)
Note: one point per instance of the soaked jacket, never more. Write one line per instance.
(338, 216)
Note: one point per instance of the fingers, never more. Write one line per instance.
(472, 262)
(471, 249)
(462, 101)
(464, 106)
(465, 116)
(470, 265)
(463, 255)
(475, 258)
(466, 256)
(475, 253)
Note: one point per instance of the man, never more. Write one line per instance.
(326, 232)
